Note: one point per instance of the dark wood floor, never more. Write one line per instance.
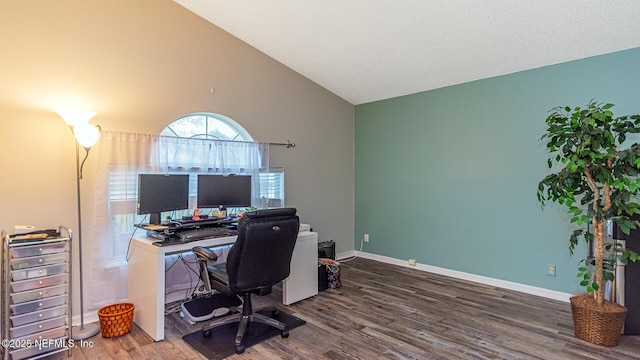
(389, 312)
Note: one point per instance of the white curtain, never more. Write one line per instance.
(119, 159)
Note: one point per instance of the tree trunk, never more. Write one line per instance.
(599, 259)
(598, 229)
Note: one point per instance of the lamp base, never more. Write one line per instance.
(85, 331)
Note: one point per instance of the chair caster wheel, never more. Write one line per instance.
(206, 333)
(275, 313)
(239, 349)
(284, 333)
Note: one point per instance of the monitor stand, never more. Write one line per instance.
(154, 218)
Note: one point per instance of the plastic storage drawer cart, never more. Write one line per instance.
(36, 299)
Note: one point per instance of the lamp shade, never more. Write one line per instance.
(86, 134)
(75, 117)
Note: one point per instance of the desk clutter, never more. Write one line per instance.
(328, 267)
(188, 230)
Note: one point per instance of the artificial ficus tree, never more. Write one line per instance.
(598, 180)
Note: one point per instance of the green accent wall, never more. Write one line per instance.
(449, 176)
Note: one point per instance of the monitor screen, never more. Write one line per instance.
(216, 191)
(159, 192)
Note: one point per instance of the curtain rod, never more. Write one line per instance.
(288, 144)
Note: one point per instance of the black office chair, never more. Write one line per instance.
(259, 259)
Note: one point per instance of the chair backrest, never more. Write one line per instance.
(261, 255)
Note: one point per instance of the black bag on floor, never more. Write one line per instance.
(323, 281)
(328, 274)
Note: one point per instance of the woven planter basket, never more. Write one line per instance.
(597, 326)
(116, 319)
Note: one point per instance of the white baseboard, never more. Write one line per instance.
(527, 289)
(88, 318)
(92, 316)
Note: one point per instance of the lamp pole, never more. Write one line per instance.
(84, 331)
(85, 135)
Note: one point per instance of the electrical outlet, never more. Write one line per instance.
(366, 237)
(412, 262)
(551, 270)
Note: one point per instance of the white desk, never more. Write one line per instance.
(146, 276)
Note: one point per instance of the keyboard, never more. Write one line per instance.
(203, 233)
(204, 220)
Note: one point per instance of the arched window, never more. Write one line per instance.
(207, 126)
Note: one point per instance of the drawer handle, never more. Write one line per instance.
(40, 260)
(40, 249)
(40, 293)
(39, 315)
(39, 304)
(40, 271)
(40, 326)
(40, 282)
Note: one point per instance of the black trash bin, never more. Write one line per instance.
(327, 249)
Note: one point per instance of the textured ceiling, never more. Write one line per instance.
(368, 50)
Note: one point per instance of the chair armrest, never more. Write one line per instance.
(204, 253)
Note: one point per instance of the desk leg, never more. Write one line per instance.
(303, 280)
(146, 290)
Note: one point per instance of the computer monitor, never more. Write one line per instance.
(160, 192)
(223, 191)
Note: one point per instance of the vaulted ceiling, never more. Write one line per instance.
(369, 50)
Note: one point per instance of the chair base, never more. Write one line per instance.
(244, 322)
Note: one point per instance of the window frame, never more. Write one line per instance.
(241, 133)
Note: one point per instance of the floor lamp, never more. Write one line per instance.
(86, 136)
